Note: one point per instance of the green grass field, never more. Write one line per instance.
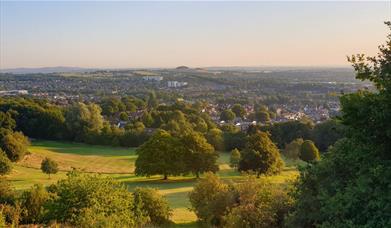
(119, 164)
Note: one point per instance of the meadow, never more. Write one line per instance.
(118, 163)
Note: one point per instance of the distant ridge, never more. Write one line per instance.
(45, 70)
(182, 68)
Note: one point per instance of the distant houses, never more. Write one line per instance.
(13, 92)
(176, 84)
(153, 78)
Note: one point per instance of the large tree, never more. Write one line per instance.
(200, 156)
(162, 154)
(238, 110)
(327, 133)
(350, 186)
(261, 155)
(227, 115)
(83, 121)
(215, 138)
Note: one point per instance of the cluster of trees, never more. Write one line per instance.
(350, 186)
(302, 149)
(247, 204)
(166, 154)
(13, 144)
(261, 114)
(83, 200)
(77, 122)
(323, 134)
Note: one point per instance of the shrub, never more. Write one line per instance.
(292, 150)
(259, 204)
(5, 164)
(88, 200)
(210, 199)
(15, 145)
(308, 151)
(152, 205)
(7, 193)
(33, 202)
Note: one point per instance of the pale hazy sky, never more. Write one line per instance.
(197, 34)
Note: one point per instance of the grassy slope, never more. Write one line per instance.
(119, 164)
(84, 157)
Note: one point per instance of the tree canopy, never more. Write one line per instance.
(350, 186)
(261, 155)
(162, 154)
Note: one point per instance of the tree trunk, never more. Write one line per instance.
(165, 177)
(258, 174)
(197, 175)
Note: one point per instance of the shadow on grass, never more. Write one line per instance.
(83, 149)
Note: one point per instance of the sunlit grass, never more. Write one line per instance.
(118, 163)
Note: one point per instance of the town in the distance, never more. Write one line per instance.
(288, 93)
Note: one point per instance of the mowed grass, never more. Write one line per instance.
(118, 163)
(87, 158)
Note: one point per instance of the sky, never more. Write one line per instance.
(195, 34)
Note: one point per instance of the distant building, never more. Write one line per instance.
(13, 92)
(153, 78)
(176, 84)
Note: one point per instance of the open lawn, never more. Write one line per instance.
(119, 164)
(86, 158)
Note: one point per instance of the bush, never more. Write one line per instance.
(152, 205)
(210, 199)
(33, 202)
(15, 145)
(259, 204)
(11, 213)
(253, 203)
(5, 164)
(7, 193)
(2, 220)
(308, 151)
(89, 200)
(292, 150)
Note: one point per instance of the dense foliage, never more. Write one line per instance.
(261, 155)
(161, 154)
(308, 151)
(252, 203)
(152, 205)
(5, 164)
(166, 154)
(350, 186)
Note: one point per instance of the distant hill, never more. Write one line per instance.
(45, 70)
(182, 68)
